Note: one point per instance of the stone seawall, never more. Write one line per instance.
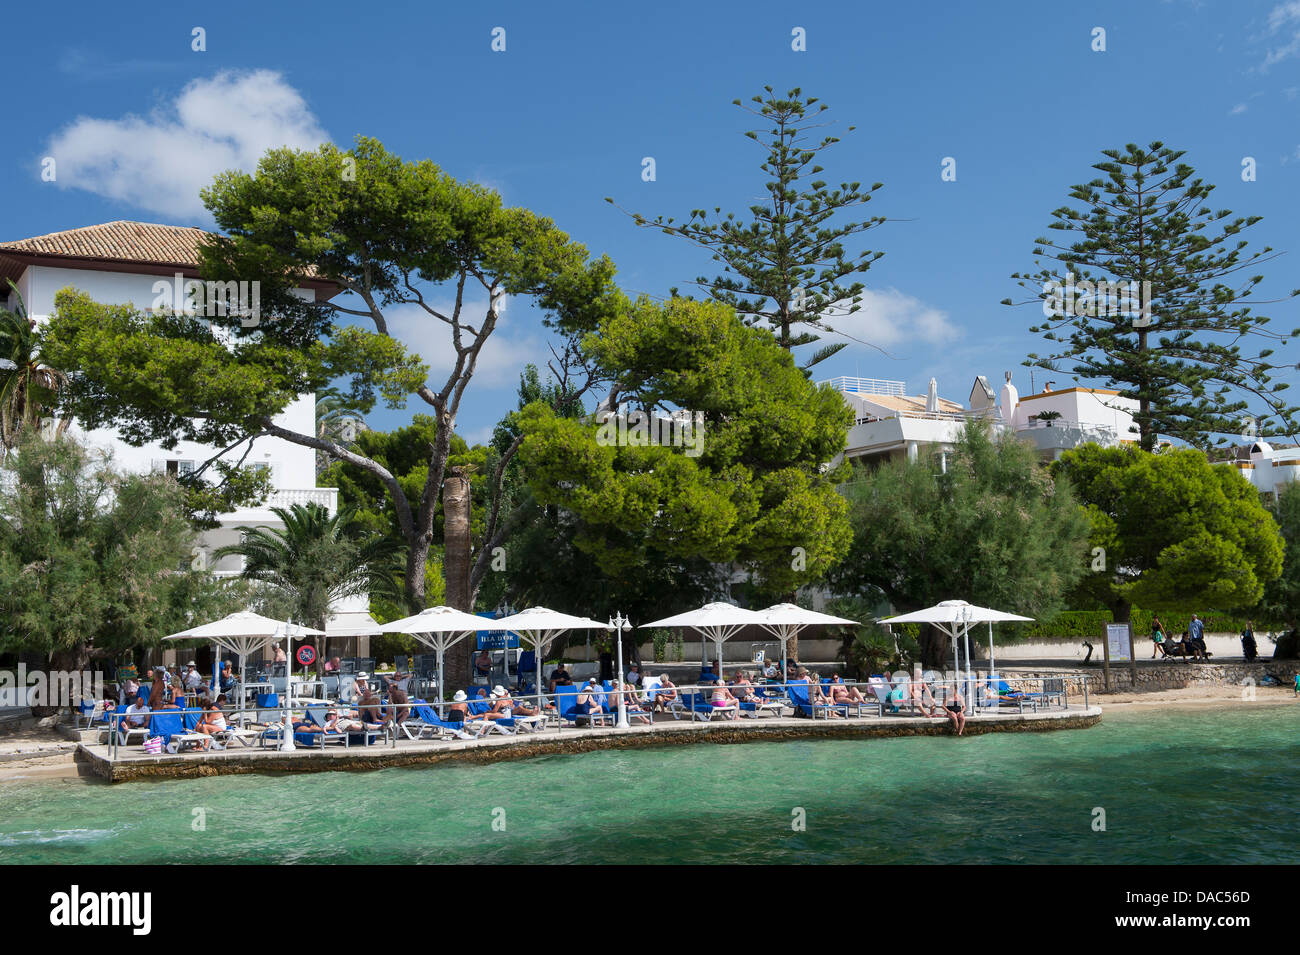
(1161, 675)
(239, 762)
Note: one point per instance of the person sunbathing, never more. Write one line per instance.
(724, 699)
(400, 703)
(459, 710)
(503, 706)
(136, 715)
(922, 699)
(666, 693)
(212, 721)
(741, 688)
(633, 705)
(370, 708)
(840, 693)
(336, 722)
(587, 702)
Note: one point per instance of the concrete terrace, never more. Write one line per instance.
(132, 763)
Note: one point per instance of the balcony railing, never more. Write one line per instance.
(326, 497)
(866, 386)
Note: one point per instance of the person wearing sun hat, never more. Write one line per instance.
(459, 710)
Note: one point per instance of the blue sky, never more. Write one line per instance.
(562, 118)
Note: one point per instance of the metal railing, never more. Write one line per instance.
(866, 386)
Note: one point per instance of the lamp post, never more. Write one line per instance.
(618, 623)
(286, 731)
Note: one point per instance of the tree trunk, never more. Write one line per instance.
(456, 565)
(934, 646)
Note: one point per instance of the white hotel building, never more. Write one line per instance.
(119, 263)
(890, 424)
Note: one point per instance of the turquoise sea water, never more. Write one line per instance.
(1211, 786)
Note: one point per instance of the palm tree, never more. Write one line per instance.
(316, 559)
(28, 386)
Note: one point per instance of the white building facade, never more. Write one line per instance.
(890, 424)
(122, 263)
(1268, 468)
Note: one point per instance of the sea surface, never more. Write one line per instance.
(1186, 785)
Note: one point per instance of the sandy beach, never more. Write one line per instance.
(1199, 696)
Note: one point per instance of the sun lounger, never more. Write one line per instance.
(176, 737)
(854, 707)
(1053, 689)
(701, 708)
(880, 689)
(799, 696)
(566, 704)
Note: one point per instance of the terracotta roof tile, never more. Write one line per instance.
(119, 242)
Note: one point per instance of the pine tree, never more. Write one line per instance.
(787, 266)
(1146, 292)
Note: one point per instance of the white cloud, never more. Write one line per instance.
(159, 162)
(1237, 110)
(1285, 19)
(888, 317)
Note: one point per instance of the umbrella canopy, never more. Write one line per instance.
(242, 633)
(439, 629)
(786, 620)
(718, 622)
(243, 629)
(954, 617)
(538, 626)
(954, 612)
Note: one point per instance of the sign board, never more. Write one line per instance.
(1119, 642)
(498, 640)
(306, 655)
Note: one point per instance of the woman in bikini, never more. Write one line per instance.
(723, 698)
(212, 721)
(845, 694)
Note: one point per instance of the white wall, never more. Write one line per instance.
(292, 466)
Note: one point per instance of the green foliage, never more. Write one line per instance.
(31, 387)
(404, 452)
(1149, 220)
(1174, 530)
(1281, 599)
(371, 234)
(316, 559)
(93, 559)
(994, 529)
(786, 266)
(755, 494)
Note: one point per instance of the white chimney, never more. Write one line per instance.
(1008, 401)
